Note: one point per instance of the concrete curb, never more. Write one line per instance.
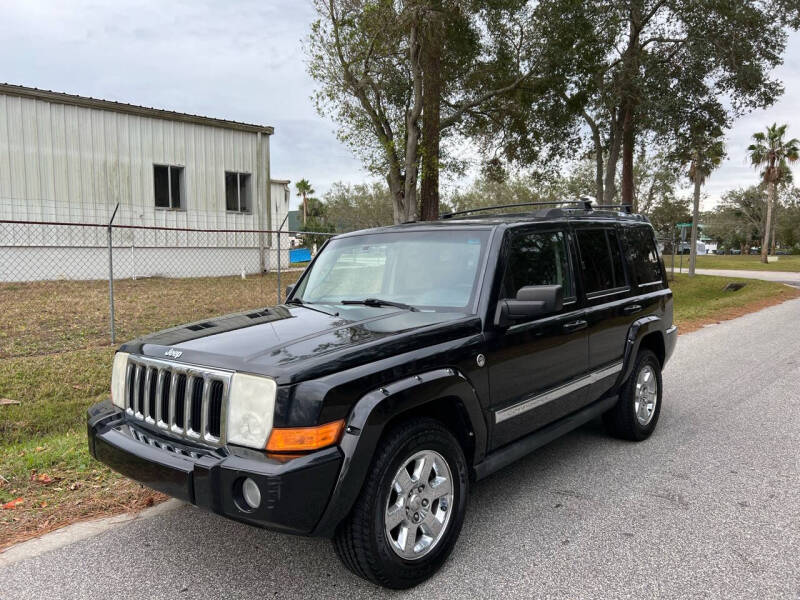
(79, 531)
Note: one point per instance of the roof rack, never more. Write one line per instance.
(587, 205)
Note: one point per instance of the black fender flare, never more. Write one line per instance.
(371, 414)
(640, 328)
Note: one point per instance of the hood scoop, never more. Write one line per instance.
(201, 326)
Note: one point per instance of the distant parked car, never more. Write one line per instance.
(719, 251)
(735, 251)
(783, 252)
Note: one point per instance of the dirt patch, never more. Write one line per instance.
(26, 522)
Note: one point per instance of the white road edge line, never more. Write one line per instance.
(79, 531)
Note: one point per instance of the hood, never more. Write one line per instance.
(295, 343)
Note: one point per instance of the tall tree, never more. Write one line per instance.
(360, 206)
(739, 218)
(774, 153)
(623, 68)
(703, 152)
(367, 56)
(304, 190)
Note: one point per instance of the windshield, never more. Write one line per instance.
(424, 269)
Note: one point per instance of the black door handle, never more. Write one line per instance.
(633, 308)
(576, 325)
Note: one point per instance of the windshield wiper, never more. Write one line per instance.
(379, 302)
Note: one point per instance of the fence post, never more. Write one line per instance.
(111, 276)
(279, 266)
(280, 291)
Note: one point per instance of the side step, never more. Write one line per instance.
(502, 457)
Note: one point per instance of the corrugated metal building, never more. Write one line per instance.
(72, 159)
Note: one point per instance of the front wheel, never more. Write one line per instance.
(635, 415)
(408, 517)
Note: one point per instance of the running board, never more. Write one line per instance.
(502, 457)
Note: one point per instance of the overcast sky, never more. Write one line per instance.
(244, 61)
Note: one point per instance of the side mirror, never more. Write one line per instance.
(289, 289)
(531, 301)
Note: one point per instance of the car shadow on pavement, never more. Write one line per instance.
(528, 499)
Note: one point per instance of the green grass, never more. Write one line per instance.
(741, 262)
(701, 299)
(55, 360)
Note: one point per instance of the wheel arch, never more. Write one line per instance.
(647, 332)
(444, 394)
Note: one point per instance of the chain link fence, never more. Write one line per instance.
(68, 286)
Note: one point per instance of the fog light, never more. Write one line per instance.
(251, 493)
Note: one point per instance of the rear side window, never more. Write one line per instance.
(538, 258)
(644, 256)
(601, 260)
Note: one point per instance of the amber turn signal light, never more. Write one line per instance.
(305, 439)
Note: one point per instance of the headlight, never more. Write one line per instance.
(251, 404)
(118, 372)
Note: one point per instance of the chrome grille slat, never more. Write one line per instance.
(187, 407)
(173, 391)
(137, 388)
(204, 389)
(159, 391)
(148, 390)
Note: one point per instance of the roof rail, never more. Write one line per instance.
(587, 205)
(626, 208)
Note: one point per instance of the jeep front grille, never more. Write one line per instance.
(185, 400)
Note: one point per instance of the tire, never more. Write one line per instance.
(362, 541)
(622, 420)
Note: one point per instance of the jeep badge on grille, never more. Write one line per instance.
(172, 353)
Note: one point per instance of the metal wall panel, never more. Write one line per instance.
(73, 163)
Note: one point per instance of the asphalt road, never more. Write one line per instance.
(709, 507)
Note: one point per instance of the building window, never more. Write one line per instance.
(168, 186)
(237, 192)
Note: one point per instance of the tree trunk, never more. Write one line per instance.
(598, 160)
(411, 166)
(768, 224)
(630, 73)
(695, 220)
(431, 98)
(615, 139)
(772, 234)
(396, 189)
(628, 140)
(305, 210)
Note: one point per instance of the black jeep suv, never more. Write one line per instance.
(407, 362)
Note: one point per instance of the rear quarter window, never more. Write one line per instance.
(643, 254)
(601, 260)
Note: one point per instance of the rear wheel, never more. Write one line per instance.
(635, 415)
(409, 515)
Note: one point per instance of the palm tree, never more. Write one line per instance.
(703, 154)
(304, 190)
(774, 154)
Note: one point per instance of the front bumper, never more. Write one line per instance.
(294, 490)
